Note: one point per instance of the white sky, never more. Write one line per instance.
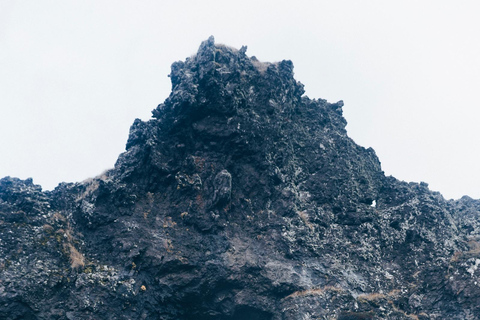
(75, 74)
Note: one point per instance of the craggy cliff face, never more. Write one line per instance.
(240, 199)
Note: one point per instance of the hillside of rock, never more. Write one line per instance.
(241, 198)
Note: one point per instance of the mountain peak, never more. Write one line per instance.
(240, 199)
(221, 72)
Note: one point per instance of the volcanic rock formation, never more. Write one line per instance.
(240, 199)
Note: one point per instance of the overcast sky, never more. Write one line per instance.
(75, 74)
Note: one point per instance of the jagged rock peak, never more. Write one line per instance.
(225, 102)
(218, 71)
(240, 199)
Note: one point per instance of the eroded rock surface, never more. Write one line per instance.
(240, 199)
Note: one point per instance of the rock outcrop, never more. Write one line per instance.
(240, 199)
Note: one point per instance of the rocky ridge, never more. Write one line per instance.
(240, 199)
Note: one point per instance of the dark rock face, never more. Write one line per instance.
(240, 199)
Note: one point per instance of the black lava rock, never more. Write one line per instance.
(240, 199)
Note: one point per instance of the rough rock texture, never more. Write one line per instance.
(240, 199)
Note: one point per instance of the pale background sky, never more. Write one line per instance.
(75, 74)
